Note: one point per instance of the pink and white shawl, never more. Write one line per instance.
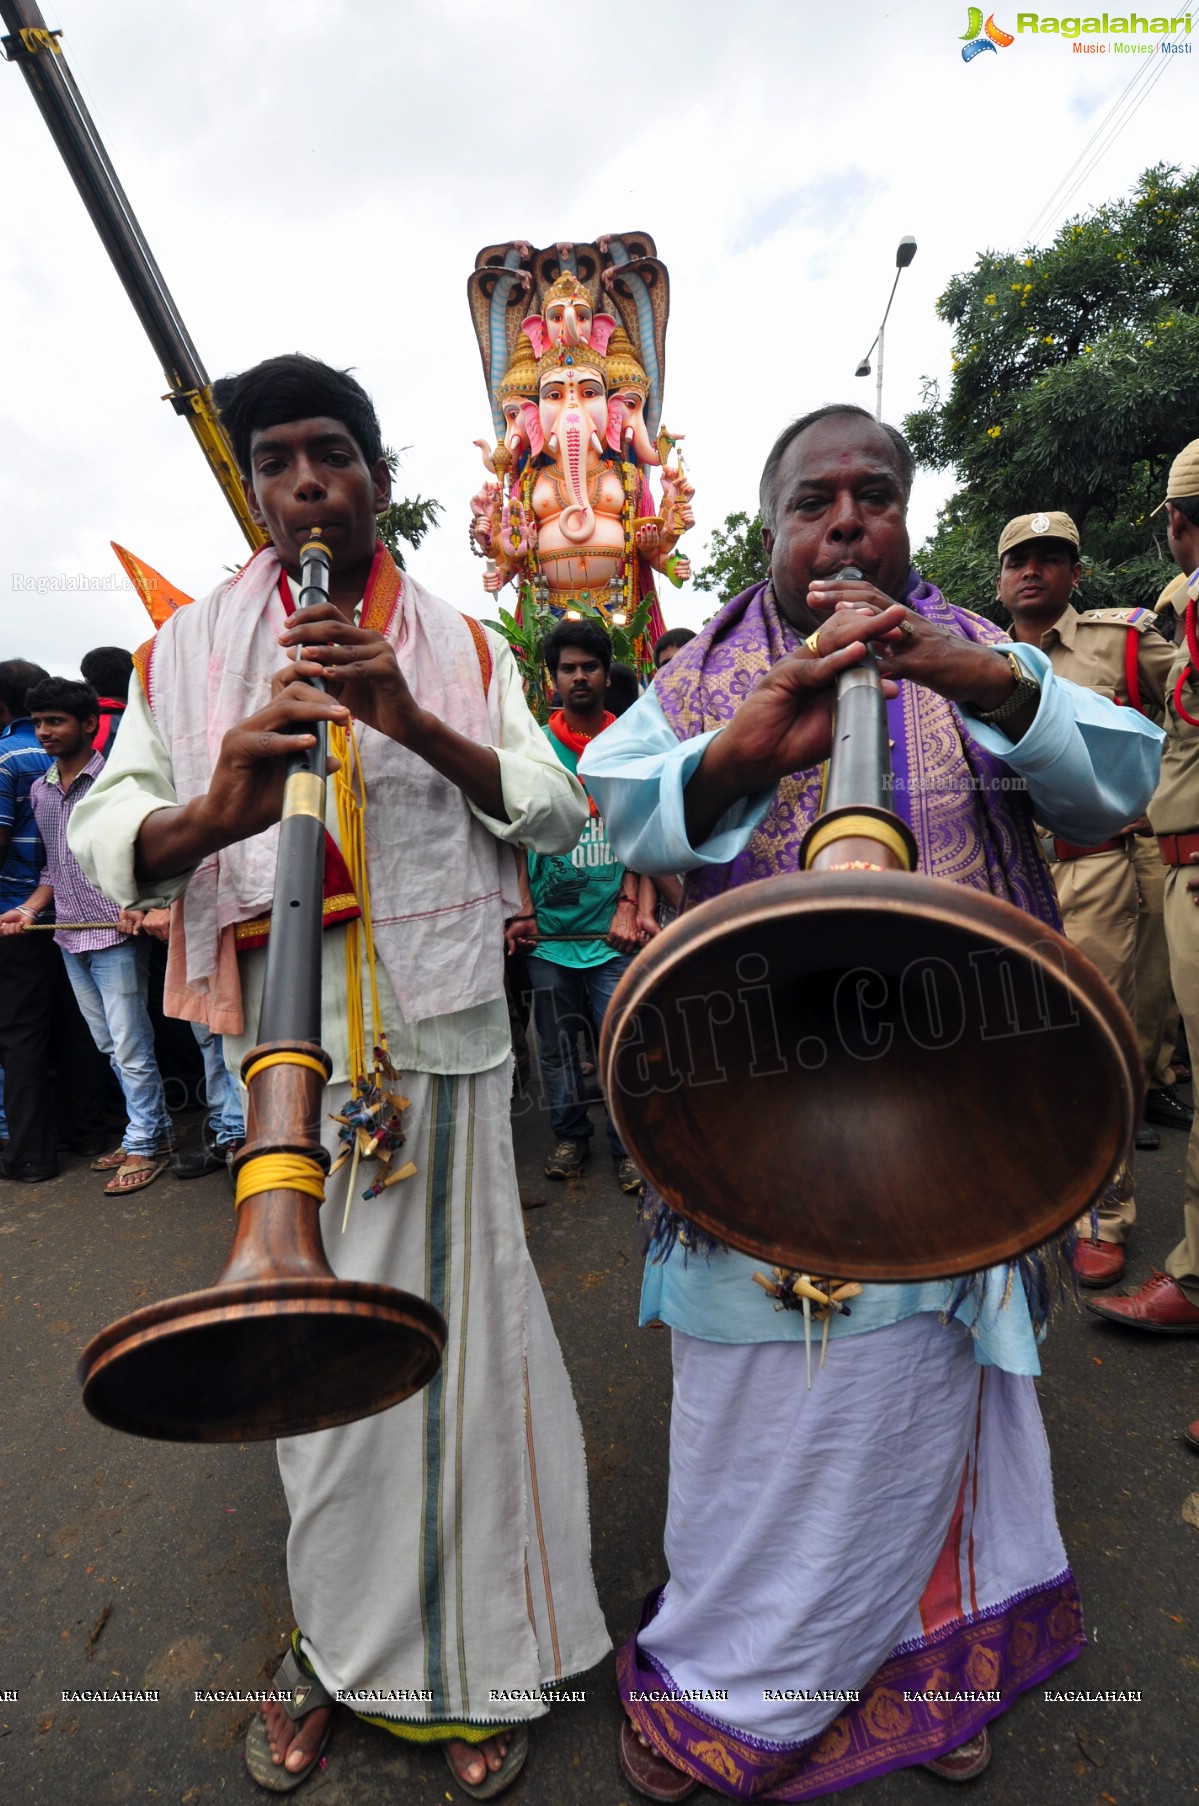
(440, 882)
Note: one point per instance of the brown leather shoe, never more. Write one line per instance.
(1098, 1263)
(1160, 1304)
(964, 1763)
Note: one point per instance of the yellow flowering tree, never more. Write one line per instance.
(1075, 381)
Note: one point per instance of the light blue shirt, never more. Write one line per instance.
(1089, 765)
(1090, 768)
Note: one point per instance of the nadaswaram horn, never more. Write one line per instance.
(859, 1070)
(279, 1345)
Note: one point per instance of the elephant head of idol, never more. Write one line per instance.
(628, 387)
(517, 397)
(573, 413)
(568, 320)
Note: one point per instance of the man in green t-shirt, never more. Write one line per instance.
(585, 896)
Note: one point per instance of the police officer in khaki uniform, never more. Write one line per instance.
(1169, 1301)
(1120, 654)
(1157, 1012)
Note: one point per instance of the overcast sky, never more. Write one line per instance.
(318, 175)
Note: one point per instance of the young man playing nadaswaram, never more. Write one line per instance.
(437, 1552)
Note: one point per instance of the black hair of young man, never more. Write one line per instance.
(63, 696)
(294, 387)
(17, 678)
(674, 636)
(623, 687)
(586, 636)
(108, 670)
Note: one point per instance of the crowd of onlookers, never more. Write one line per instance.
(83, 1043)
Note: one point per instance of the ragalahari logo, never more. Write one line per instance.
(978, 37)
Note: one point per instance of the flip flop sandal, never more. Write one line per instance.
(108, 1163)
(499, 1778)
(135, 1178)
(305, 1695)
(651, 1774)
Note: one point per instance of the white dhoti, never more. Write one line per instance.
(442, 1547)
(860, 1575)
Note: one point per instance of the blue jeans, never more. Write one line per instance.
(565, 999)
(110, 988)
(226, 1120)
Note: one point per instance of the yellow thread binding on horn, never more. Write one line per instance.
(283, 1059)
(858, 827)
(280, 1172)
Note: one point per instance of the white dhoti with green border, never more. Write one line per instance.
(440, 1551)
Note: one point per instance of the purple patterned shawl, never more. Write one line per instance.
(969, 813)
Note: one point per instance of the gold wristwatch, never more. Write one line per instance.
(1027, 689)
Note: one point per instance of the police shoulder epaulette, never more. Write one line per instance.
(1140, 618)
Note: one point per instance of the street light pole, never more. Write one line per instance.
(904, 253)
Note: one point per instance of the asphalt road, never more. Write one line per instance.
(133, 1564)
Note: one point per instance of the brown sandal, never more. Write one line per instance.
(108, 1163)
(651, 1774)
(132, 1178)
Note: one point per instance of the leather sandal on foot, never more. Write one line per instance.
(496, 1779)
(964, 1763)
(108, 1163)
(651, 1774)
(136, 1178)
(305, 1695)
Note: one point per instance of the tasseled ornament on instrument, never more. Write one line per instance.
(372, 1125)
(799, 1292)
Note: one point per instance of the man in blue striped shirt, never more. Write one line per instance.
(26, 973)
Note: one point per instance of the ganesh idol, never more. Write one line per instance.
(567, 514)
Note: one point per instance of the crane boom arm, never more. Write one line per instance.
(35, 48)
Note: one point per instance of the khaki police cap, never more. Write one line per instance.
(1037, 526)
(1183, 479)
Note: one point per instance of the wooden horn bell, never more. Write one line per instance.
(280, 1345)
(859, 1070)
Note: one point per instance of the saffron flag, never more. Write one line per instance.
(161, 598)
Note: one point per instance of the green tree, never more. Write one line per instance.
(409, 519)
(527, 639)
(737, 557)
(1075, 381)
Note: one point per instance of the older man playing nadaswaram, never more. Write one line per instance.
(889, 1535)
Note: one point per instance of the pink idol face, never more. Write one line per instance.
(629, 403)
(626, 424)
(573, 396)
(522, 428)
(516, 431)
(557, 315)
